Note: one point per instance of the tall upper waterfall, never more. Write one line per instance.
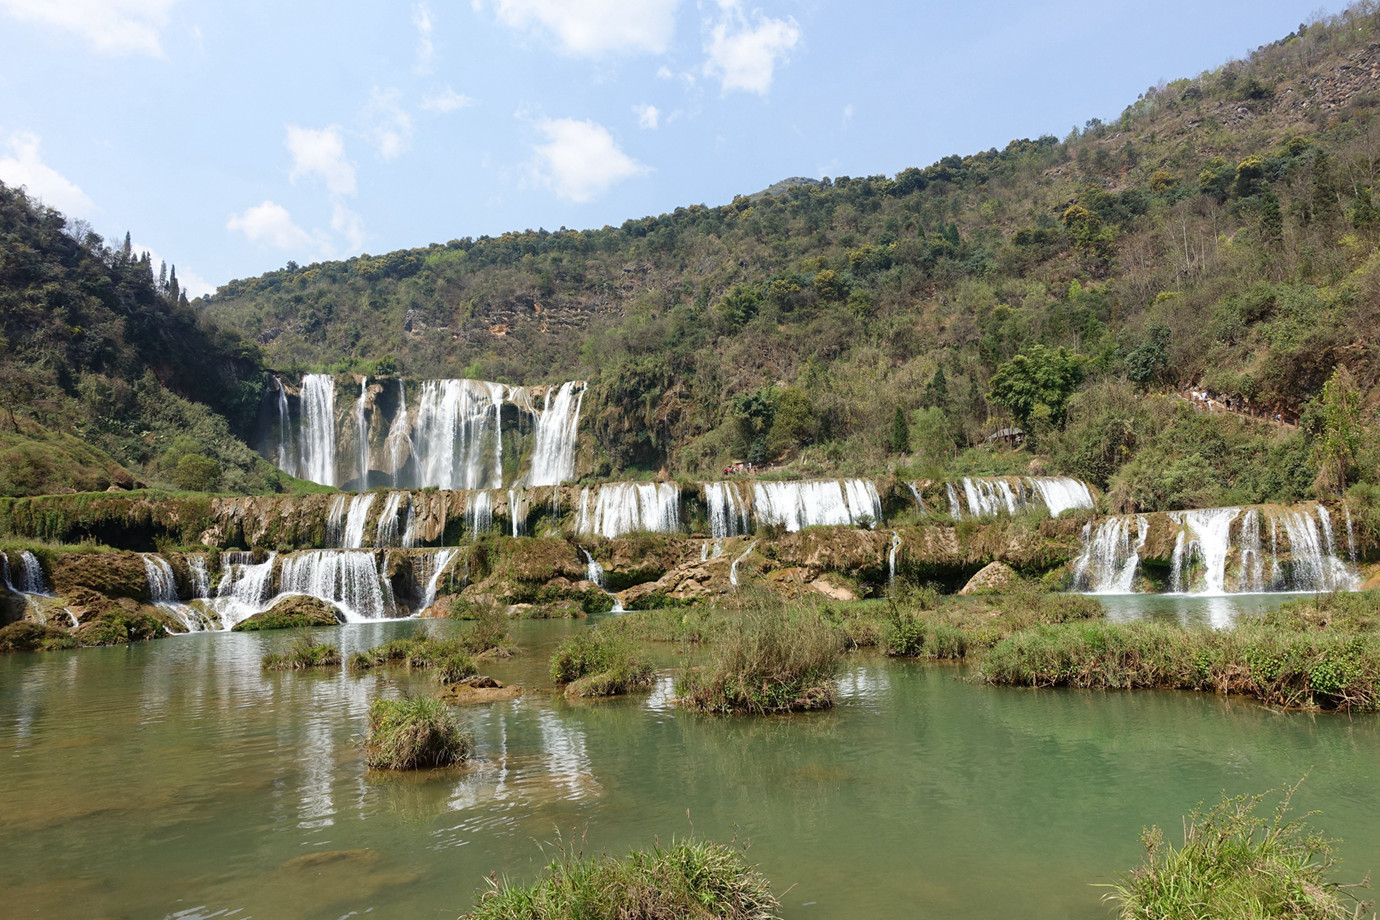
(459, 434)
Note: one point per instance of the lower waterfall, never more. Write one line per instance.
(626, 507)
(794, 505)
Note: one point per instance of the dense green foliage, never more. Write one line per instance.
(413, 734)
(1221, 233)
(770, 660)
(689, 880)
(107, 375)
(1235, 864)
(599, 663)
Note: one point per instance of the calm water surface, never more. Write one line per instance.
(175, 779)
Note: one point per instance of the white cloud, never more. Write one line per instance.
(426, 50)
(744, 55)
(188, 280)
(389, 125)
(590, 28)
(321, 152)
(350, 225)
(272, 225)
(447, 100)
(648, 116)
(580, 159)
(25, 167)
(110, 26)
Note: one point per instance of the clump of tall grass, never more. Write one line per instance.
(449, 660)
(688, 880)
(1295, 669)
(772, 660)
(414, 733)
(302, 655)
(1235, 864)
(599, 663)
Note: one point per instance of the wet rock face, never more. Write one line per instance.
(108, 574)
(296, 612)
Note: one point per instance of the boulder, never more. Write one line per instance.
(993, 578)
(295, 612)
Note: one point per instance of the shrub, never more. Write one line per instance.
(301, 655)
(600, 663)
(692, 880)
(1236, 864)
(773, 661)
(414, 733)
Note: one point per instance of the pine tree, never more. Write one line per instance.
(900, 432)
(937, 390)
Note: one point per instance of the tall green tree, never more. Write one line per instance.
(1036, 386)
(1334, 450)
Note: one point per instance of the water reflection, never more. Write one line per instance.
(1220, 611)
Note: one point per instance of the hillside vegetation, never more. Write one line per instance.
(107, 376)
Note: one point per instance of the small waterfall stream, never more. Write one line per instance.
(595, 572)
(733, 569)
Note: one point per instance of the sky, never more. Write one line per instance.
(231, 138)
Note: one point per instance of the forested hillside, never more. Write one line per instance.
(106, 375)
(1221, 232)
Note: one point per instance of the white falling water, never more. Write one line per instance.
(362, 431)
(891, 558)
(438, 562)
(163, 592)
(1314, 563)
(517, 511)
(553, 442)
(244, 587)
(317, 440)
(386, 531)
(27, 577)
(201, 579)
(457, 437)
(349, 580)
(794, 505)
(409, 537)
(1110, 556)
(353, 535)
(399, 438)
(479, 513)
(627, 507)
(595, 572)
(1251, 576)
(728, 513)
(287, 458)
(1205, 538)
(1350, 535)
(994, 496)
(915, 492)
(733, 569)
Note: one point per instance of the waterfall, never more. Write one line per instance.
(994, 496)
(386, 531)
(626, 507)
(287, 459)
(794, 505)
(891, 558)
(362, 430)
(1350, 535)
(438, 561)
(1251, 577)
(915, 491)
(1208, 533)
(201, 579)
(353, 536)
(1314, 565)
(479, 513)
(29, 578)
(244, 587)
(595, 572)
(517, 511)
(409, 537)
(553, 442)
(728, 513)
(458, 436)
(1109, 559)
(317, 443)
(349, 580)
(163, 592)
(733, 569)
(399, 438)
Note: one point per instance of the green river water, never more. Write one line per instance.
(175, 779)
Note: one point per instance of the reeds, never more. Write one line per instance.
(599, 663)
(414, 733)
(302, 655)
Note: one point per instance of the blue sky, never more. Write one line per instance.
(230, 138)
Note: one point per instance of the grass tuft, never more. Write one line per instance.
(414, 733)
(773, 660)
(599, 663)
(688, 880)
(302, 655)
(1235, 864)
